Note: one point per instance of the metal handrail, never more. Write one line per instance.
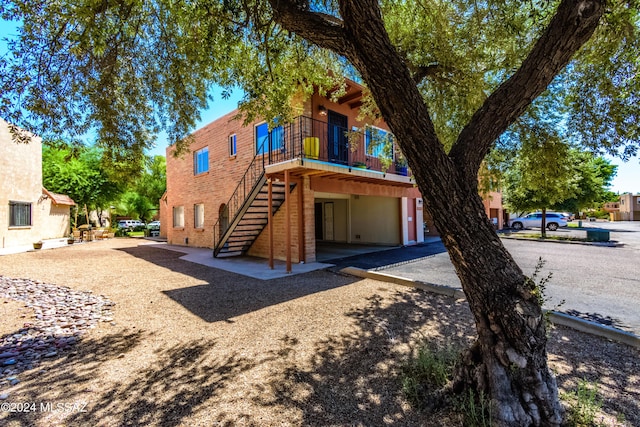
(252, 175)
(292, 141)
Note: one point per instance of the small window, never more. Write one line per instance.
(19, 214)
(233, 149)
(201, 161)
(178, 216)
(198, 215)
(265, 139)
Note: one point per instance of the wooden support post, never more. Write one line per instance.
(270, 222)
(301, 248)
(287, 223)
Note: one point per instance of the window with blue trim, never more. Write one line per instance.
(232, 145)
(266, 139)
(201, 161)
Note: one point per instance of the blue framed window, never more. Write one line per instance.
(378, 142)
(266, 139)
(201, 161)
(233, 148)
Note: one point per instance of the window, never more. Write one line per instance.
(198, 215)
(266, 139)
(378, 142)
(201, 161)
(19, 214)
(232, 145)
(178, 216)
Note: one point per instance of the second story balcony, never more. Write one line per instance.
(313, 143)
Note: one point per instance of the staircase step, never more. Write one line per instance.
(254, 219)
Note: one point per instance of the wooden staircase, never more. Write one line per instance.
(251, 219)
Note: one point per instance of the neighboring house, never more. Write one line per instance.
(629, 207)
(28, 212)
(612, 206)
(323, 175)
(494, 209)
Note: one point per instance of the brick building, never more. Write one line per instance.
(342, 185)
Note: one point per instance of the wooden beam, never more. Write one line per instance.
(350, 97)
(287, 223)
(270, 222)
(301, 254)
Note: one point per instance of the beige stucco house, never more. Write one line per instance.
(28, 212)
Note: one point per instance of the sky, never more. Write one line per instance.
(626, 180)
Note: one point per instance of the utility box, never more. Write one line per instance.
(598, 235)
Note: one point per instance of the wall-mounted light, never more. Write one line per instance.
(322, 110)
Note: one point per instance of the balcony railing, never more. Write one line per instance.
(313, 139)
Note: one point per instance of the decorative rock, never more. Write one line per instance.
(62, 316)
(4, 396)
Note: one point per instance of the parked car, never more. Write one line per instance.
(154, 225)
(553, 220)
(568, 216)
(130, 224)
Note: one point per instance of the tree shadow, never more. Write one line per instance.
(612, 366)
(177, 382)
(78, 365)
(225, 295)
(390, 257)
(354, 378)
(599, 318)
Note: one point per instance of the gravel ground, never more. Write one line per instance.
(187, 345)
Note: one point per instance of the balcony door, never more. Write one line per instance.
(338, 148)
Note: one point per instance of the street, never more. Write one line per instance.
(595, 282)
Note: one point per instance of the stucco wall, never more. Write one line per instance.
(20, 181)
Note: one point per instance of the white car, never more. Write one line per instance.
(130, 224)
(554, 221)
(154, 225)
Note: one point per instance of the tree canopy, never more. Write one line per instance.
(80, 173)
(127, 70)
(552, 175)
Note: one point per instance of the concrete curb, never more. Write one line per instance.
(555, 317)
(609, 244)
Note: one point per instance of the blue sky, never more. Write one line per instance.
(627, 179)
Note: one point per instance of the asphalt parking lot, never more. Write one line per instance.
(597, 283)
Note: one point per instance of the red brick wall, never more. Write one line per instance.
(212, 188)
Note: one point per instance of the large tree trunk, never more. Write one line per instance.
(509, 360)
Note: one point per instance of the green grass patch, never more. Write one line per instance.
(583, 404)
(430, 368)
(476, 410)
(135, 234)
(552, 237)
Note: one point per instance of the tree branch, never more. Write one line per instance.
(574, 23)
(321, 29)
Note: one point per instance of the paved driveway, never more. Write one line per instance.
(598, 283)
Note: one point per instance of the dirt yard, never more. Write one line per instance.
(188, 345)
